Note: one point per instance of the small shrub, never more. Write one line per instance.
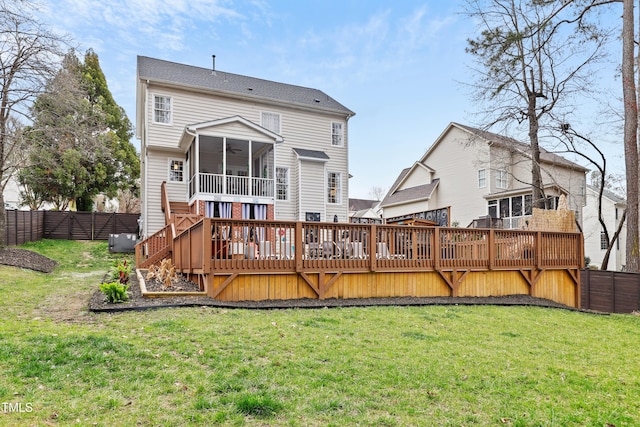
(115, 291)
(121, 271)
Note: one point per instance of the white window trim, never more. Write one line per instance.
(287, 183)
(339, 188)
(279, 130)
(153, 109)
(499, 179)
(184, 170)
(482, 180)
(341, 144)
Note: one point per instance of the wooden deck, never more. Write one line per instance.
(236, 260)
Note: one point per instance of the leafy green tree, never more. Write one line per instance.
(76, 151)
(116, 119)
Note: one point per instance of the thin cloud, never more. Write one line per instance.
(163, 24)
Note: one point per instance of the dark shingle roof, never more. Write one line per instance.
(505, 141)
(418, 192)
(233, 84)
(361, 204)
(311, 154)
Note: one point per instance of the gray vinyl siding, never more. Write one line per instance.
(158, 171)
(312, 189)
(300, 128)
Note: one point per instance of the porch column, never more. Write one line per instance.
(274, 178)
(224, 165)
(250, 174)
(197, 166)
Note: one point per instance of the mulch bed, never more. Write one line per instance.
(178, 284)
(136, 301)
(23, 258)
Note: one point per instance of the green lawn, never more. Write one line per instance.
(384, 366)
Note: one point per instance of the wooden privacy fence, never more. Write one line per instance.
(245, 260)
(23, 226)
(26, 226)
(610, 291)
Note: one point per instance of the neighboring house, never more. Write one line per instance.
(475, 173)
(239, 147)
(365, 211)
(11, 194)
(595, 243)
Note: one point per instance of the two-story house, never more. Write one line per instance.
(234, 146)
(469, 173)
(595, 241)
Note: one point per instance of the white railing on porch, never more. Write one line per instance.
(215, 184)
(516, 222)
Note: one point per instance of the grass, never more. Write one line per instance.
(382, 366)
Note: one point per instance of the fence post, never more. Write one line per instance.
(538, 250)
(491, 248)
(437, 247)
(373, 247)
(298, 245)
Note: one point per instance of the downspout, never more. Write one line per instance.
(145, 155)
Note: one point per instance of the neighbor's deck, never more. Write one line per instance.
(237, 260)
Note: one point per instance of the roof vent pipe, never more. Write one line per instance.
(213, 58)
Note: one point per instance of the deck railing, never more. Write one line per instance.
(215, 184)
(223, 245)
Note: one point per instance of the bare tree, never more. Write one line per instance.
(378, 192)
(28, 54)
(128, 202)
(573, 143)
(534, 57)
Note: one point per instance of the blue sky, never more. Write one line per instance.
(398, 64)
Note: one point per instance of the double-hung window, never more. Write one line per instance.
(271, 121)
(337, 134)
(501, 179)
(162, 109)
(482, 178)
(282, 183)
(176, 171)
(604, 243)
(333, 187)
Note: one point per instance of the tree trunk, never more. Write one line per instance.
(616, 236)
(630, 135)
(3, 219)
(536, 175)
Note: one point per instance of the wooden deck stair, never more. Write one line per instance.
(178, 218)
(179, 208)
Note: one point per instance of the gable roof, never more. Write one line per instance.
(419, 192)
(525, 149)
(608, 194)
(236, 85)
(361, 204)
(187, 135)
(313, 155)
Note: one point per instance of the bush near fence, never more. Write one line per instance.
(30, 226)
